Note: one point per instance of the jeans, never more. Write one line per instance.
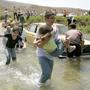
(59, 50)
(46, 67)
(10, 53)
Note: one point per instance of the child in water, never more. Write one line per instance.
(12, 39)
(47, 42)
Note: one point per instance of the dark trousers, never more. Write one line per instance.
(76, 52)
(15, 15)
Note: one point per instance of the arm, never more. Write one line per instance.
(41, 39)
(66, 41)
(46, 36)
(39, 42)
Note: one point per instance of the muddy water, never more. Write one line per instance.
(23, 74)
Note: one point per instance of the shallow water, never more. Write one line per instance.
(87, 36)
(23, 74)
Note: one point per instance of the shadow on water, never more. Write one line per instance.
(71, 75)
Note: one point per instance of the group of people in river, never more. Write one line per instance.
(48, 44)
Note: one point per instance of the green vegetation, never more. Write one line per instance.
(1, 16)
(61, 20)
(35, 19)
(85, 29)
(83, 22)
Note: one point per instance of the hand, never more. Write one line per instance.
(37, 42)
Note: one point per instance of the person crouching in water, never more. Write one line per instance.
(75, 39)
(12, 39)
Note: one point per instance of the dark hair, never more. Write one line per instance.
(49, 13)
(44, 29)
(72, 26)
(15, 28)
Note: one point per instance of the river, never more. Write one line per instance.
(23, 74)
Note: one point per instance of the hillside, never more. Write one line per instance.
(39, 9)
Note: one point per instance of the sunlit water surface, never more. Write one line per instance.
(23, 74)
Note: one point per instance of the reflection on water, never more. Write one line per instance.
(71, 75)
(87, 36)
(72, 70)
(23, 74)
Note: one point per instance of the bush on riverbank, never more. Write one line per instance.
(85, 29)
(34, 19)
(83, 22)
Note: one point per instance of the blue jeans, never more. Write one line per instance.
(46, 67)
(59, 50)
(10, 53)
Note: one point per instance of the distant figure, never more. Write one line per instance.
(74, 38)
(18, 45)
(15, 13)
(18, 14)
(64, 13)
(12, 39)
(6, 14)
(22, 19)
(27, 15)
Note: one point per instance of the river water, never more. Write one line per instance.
(23, 74)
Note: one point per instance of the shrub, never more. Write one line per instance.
(61, 20)
(34, 19)
(83, 20)
(83, 23)
(85, 29)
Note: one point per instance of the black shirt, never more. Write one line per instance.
(10, 42)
